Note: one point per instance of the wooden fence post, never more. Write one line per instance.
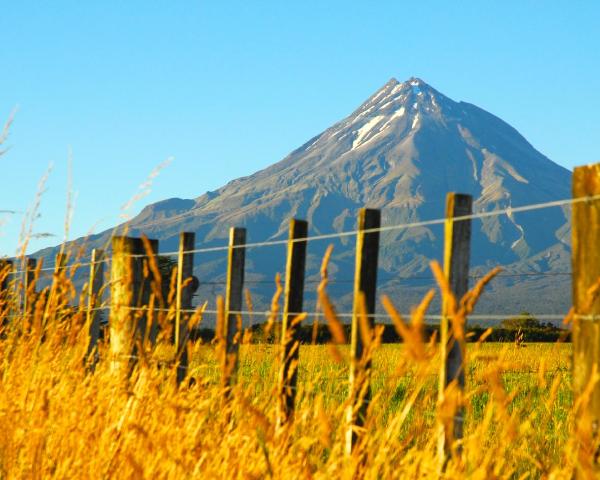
(6, 272)
(586, 306)
(365, 287)
(29, 285)
(185, 271)
(60, 265)
(60, 261)
(233, 303)
(147, 326)
(457, 250)
(94, 297)
(125, 278)
(293, 304)
(56, 300)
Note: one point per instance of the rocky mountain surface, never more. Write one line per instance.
(400, 151)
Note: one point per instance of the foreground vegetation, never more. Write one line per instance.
(63, 416)
(58, 420)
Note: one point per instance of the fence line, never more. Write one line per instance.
(401, 226)
(52, 268)
(386, 228)
(330, 282)
(268, 313)
(131, 290)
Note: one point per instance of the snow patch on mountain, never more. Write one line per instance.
(399, 98)
(511, 217)
(397, 114)
(415, 121)
(363, 131)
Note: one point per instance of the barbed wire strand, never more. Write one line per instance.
(267, 313)
(402, 226)
(52, 268)
(333, 281)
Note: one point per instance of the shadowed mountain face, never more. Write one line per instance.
(400, 151)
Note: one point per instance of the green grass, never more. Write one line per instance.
(392, 380)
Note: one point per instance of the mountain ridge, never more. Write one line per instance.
(401, 150)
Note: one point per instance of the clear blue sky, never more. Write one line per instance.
(227, 88)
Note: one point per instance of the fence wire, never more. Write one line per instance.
(402, 226)
(438, 221)
(271, 313)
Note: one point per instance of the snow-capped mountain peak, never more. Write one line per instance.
(395, 107)
(401, 150)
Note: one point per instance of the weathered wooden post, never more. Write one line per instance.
(57, 298)
(457, 250)
(94, 299)
(586, 306)
(29, 286)
(365, 287)
(60, 273)
(60, 261)
(147, 326)
(185, 272)
(6, 272)
(125, 278)
(293, 304)
(233, 303)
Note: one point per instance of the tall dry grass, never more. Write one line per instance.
(60, 419)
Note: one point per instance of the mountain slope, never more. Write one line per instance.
(400, 151)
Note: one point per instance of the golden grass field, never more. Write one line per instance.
(57, 420)
(123, 419)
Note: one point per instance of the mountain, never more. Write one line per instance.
(400, 151)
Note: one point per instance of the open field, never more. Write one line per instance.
(535, 380)
(59, 421)
(391, 379)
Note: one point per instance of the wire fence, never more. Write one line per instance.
(271, 313)
(509, 211)
(386, 228)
